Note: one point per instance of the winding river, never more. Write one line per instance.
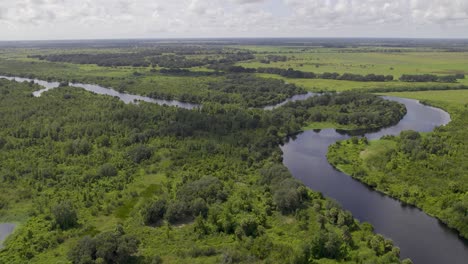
(420, 237)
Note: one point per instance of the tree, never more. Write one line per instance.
(65, 215)
(140, 153)
(326, 245)
(177, 211)
(83, 251)
(107, 170)
(154, 213)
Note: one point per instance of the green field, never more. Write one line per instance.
(394, 63)
(409, 61)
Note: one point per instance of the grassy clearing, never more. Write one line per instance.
(325, 125)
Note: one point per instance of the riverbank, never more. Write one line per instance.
(306, 158)
(418, 169)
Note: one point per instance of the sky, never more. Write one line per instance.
(109, 19)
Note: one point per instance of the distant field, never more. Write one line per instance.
(310, 59)
(337, 85)
(395, 63)
(360, 61)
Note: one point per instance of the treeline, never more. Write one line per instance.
(101, 59)
(291, 73)
(148, 58)
(416, 88)
(273, 58)
(431, 78)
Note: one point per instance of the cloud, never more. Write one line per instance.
(248, 1)
(232, 18)
(354, 12)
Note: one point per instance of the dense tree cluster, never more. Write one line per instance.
(416, 88)
(431, 78)
(291, 73)
(362, 110)
(102, 59)
(273, 58)
(173, 58)
(177, 61)
(256, 91)
(108, 247)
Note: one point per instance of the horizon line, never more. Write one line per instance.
(231, 38)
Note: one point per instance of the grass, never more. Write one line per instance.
(325, 125)
(373, 62)
(448, 99)
(376, 148)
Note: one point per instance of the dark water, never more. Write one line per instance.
(127, 98)
(5, 230)
(419, 236)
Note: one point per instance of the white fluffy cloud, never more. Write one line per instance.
(56, 19)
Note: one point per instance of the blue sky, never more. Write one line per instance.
(91, 19)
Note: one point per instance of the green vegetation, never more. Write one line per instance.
(427, 170)
(347, 109)
(92, 180)
(325, 125)
(363, 61)
(187, 88)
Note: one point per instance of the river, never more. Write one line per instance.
(420, 237)
(5, 230)
(125, 97)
